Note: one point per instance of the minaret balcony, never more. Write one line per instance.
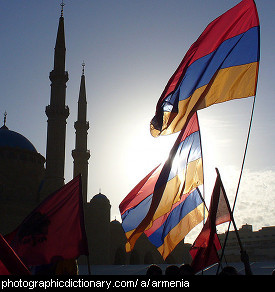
(81, 125)
(53, 111)
(59, 76)
(82, 155)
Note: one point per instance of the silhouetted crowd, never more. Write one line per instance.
(187, 269)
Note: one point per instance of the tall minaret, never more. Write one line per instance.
(81, 155)
(57, 113)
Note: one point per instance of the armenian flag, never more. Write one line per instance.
(221, 65)
(167, 204)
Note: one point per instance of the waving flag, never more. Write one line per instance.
(54, 230)
(221, 65)
(171, 228)
(166, 205)
(205, 248)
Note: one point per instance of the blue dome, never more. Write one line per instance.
(12, 139)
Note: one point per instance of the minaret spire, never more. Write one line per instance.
(57, 113)
(5, 118)
(62, 7)
(81, 154)
(60, 48)
(83, 66)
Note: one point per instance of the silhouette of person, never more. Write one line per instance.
(66, 267)
(186, 269)
(245, 260)
(154, 270)
(48, 269)
(228, 271)
(172, 270)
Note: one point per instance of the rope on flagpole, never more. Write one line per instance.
(239, 182)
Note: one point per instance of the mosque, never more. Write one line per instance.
(26, 177)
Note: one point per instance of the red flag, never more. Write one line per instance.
(205, 248)
(10, 263)
(55, 230)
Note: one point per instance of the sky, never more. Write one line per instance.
(130, 49)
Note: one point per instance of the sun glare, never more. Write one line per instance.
(145, 154)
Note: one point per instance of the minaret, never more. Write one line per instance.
(81, 155)
(57, 113)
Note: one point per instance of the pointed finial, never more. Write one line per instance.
(83, 65)
(5, 118)
(62, 7)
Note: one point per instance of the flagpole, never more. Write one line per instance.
(88, 263)
(238, 186)
(226, 236)
(203, 186)
(231, 215)
(244, 156)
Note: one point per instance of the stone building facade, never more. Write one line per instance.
(259, 245)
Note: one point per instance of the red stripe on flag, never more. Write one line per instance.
(243, 16)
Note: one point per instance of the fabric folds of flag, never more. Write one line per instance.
(10, 263)
(54, 230)
(205, 248)
(221, 65)
(166, 204)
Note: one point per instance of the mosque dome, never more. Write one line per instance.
(13, 139)
(116, 222)
(21, 172)
(100, 198)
